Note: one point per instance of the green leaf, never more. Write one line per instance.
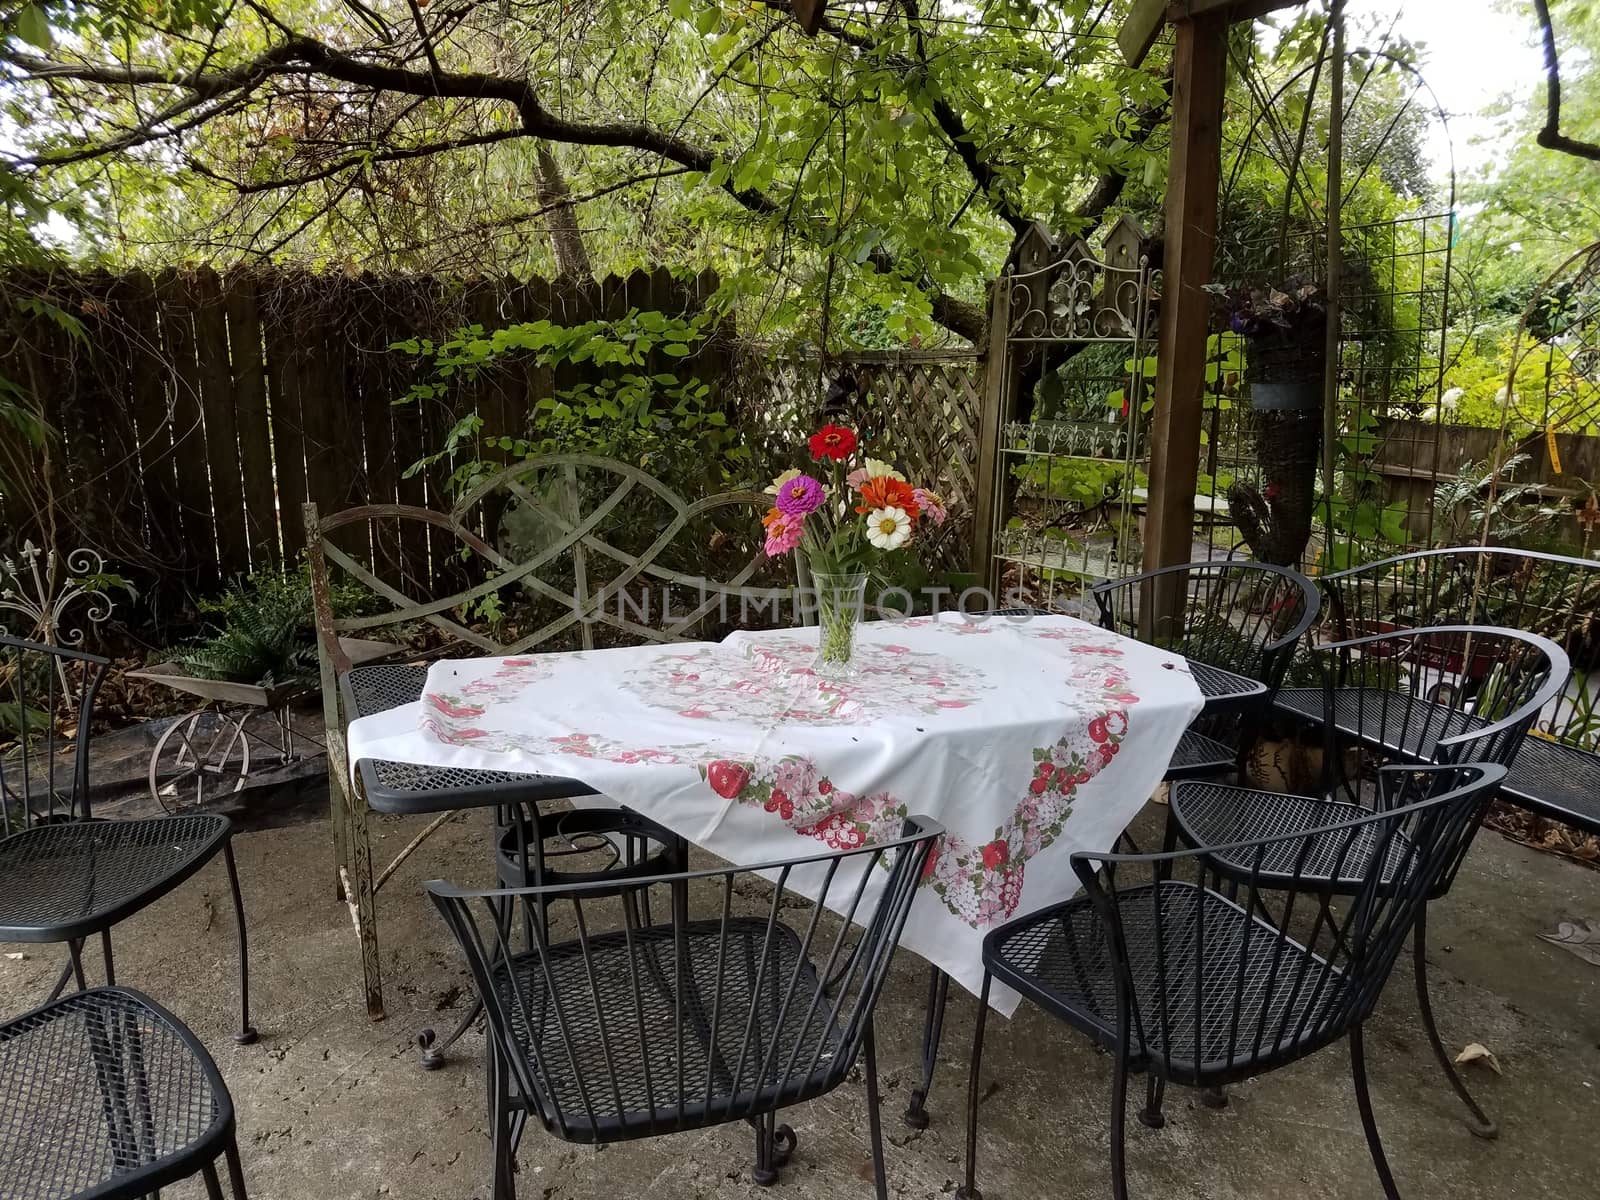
(33, 27)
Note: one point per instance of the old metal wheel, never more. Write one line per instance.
(199, 759)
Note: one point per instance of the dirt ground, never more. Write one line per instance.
(334, 1106)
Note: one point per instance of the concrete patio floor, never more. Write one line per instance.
(333, 1106)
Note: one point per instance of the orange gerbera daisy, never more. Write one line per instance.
(883, 492)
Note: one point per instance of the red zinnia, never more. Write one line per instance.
(833, 441)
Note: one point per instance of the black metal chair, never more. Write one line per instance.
(1376, 695)
(754, 991)
(66, 876)
(105, 1094)
(1201, 978)
(532, 847)
(1557, 772)
(1237, 622)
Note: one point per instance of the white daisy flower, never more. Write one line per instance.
(888, 528)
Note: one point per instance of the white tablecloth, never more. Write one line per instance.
(1027, 738)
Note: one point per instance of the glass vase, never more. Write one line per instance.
(841, 600)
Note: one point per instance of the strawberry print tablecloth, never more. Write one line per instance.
(1027, 738)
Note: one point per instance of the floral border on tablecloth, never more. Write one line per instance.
(980, 883)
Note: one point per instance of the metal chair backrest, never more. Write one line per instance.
(1452, 693)
(1231, 992)
(44, 768)
(688, 999)
(1549, 594)
(1241, 616)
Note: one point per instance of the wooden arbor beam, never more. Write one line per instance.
(1193, 169)
(1192, 176)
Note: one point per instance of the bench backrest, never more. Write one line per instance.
(1548, 594)
(560, 552)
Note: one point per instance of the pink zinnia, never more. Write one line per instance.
(784, 534)
(932, 507)
(799, 496)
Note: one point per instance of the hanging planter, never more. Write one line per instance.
(1285, 335)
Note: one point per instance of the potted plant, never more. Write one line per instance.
(1286, 349)
(1285, 331)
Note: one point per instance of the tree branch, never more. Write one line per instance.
(1551, 137)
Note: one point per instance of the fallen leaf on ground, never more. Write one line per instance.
(19, 957)
(1477, 1052)
(1582, 940)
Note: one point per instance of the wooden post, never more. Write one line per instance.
(1192, 176)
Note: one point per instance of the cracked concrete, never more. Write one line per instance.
(333, 1106)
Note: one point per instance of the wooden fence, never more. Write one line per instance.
(194, 412)
(1414, 456)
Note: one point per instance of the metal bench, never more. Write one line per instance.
(561, 552)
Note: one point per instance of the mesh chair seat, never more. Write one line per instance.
(1221, 688)
(1216, 815)
(1384, 720)
(1555, 780)
(1197, 754)
(104, 1092)
(630, 1074)
(400, 787)
(1060, 958)
(67, 880)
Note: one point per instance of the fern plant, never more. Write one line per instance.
(266, 636)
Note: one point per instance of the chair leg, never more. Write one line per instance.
(107, 958)
(880, 1180)
(247, 1032)
(505, 1152)
(433, 1050)
(969, 1189)
(1119, 1128)
(363, 903)
(1155, 1088)
(916, 1114)
(1358, 1072)
(213, 1184)
(75, 949)
(1480, 1124)
(235, 1170)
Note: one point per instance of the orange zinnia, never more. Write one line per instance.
(772, 515)
(883, 492)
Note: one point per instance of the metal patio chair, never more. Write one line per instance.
(533, 847)
(1199, 977)
(1557, 772)
(1237, 622)
(66, 876)
(106, 1095)
(687, 1000)
(1376, 695)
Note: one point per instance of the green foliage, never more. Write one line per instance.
(1515, 514)
(265, 631)
(625, 403)
(1086, 482)
(1364, 526)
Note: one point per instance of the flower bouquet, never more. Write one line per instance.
(842, 523)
